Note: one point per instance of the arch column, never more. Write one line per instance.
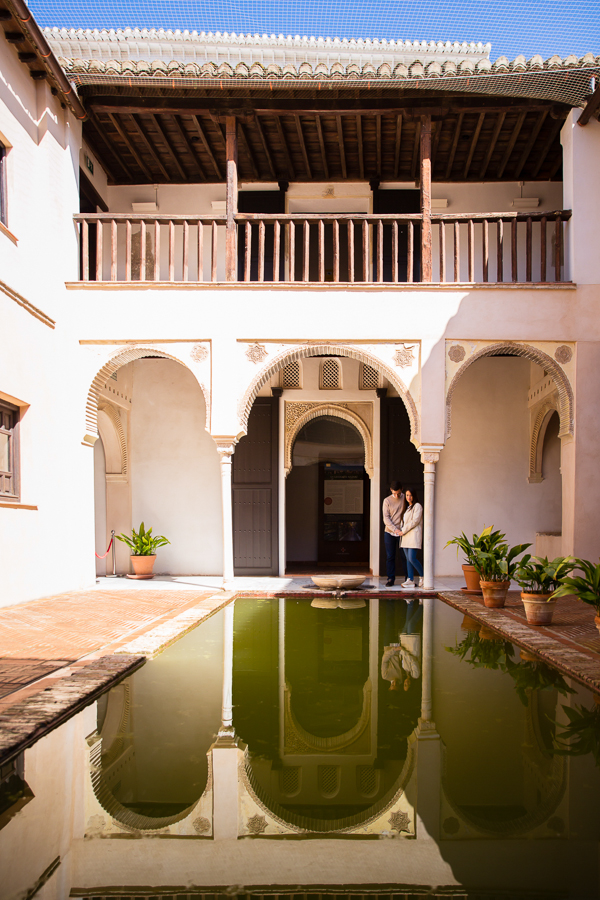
(225, 449)
(429, 457)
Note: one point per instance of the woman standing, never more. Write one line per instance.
(412, 538)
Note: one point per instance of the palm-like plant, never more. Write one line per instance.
(498, 563)
(142, 542)
(582, 735)
(586, 586)
(538, 575)
(487, 540)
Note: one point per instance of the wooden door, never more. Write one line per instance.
(255, 492)
(261, 202)
(398, 201)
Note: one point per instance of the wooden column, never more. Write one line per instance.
(426, 265)
(231, 198)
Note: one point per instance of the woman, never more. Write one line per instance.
(411, 538)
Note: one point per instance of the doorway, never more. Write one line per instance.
(327, 499)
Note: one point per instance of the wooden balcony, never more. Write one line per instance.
(346, 249)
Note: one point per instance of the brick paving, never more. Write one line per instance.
(571, 644)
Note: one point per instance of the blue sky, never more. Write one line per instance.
(512, 26)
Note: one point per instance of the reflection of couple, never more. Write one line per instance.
(401, 662)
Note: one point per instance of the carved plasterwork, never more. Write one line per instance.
(110, 428)
(544, 353)
(540, 418)
(256, 353)
(199, 353)
(404, 355)
(297, 414)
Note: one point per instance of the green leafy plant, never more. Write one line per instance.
(499, 562)
(536, 676)
(487, 540)
(142, 542)
(483, 654)
(537, 575)
(582, 735)
(585, 586)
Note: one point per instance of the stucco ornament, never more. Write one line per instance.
(403, 355)
(456, 353)
(199, 353)
(563, 354)
(201, 825)
(399, 821)
(256, 352)
(256, 824)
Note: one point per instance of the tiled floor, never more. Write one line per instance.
(255, 584)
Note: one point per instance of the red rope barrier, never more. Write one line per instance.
(107, 552)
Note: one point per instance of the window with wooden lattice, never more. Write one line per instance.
(367, 780)
(331, 375)
(329, 780)
(289, 778)
(291, 376)
(369, 378)
(9, 451)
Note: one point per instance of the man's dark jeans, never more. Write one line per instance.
(391, 546)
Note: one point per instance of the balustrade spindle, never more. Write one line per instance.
(306, 256)
(157, 250)
(336, 250)
(171, 250)
(276, 249)
(200, 251)
(186, 244)
(456, 250)
(514, 262)
(261, 251)
(351, 250)
(500, 253)
(365, 250)
(557, 249)
(85, 250)
(486, 250)
(471, 250)
(142, 250)
(321, 249)
(528, 251)
(113, 250)
(410, 253)
(247, 250)
(99, 251)
(292, 250)
(442, 252)
(543, 248)
(213, 252)
(379, 250)
(395, 251)
(128, 250)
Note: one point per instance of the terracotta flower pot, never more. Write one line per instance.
(494, 593)
(539, 609)
(486, 634)
(597, 621)
(526, 656)
(143, 565)
(471, 579)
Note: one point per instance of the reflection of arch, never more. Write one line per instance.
(290, 355)
(121, 359)
(110, 429)
(538, 433)
(298, 740)
(511, 348)
(329, 409)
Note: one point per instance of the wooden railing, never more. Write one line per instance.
(312, 248)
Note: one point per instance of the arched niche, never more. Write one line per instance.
(329, 409)
(538, 433)
(110, 429)
(525, 351)
(291, 355)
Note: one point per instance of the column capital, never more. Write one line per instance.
(430, 453)
(225, 445)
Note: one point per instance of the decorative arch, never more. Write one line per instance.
(307, 350)
(525, 351)
(538, 433)
(121, 358)
(329, 409)
(110, 429)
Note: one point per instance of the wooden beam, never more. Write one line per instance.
(425, 154)
(591, 108)
(492, 144)
(130, 146)
(210, 107)
(546, 148)
(265, 147)
(286, 151)
(303, 145)
(378, 138)
(145, 138)
(529, 145)
(474, 140)
(513, 140)
(340, 132)
(248, 149)
(231, 200)
(101, 134)
(169, 147)
(397, 146)
(189, 146)
(322, 146)
(415, 156)
(207, 147)
(452, 154)
(361, 149)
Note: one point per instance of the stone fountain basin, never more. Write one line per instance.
(338, 582)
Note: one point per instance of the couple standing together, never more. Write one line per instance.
(403, 520)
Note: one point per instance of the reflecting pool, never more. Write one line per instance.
(303, 747)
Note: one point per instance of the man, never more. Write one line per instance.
(393, 510)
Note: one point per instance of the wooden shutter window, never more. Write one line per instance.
(9, 456)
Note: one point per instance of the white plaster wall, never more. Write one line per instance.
(482, 472)
(175, 474)
(581, 146)
(100, 506)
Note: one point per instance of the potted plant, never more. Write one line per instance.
(484, 541)
(585, 586)
(483, 652)
(143, 545)
(582, 734)
(539, 580)
(496, 566)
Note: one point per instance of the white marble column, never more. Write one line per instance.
(226, 448)
(426, 660)
(429, 458)
(227, 702)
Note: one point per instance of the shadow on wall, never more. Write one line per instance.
(175, 473)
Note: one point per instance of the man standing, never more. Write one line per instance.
(393, 510)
